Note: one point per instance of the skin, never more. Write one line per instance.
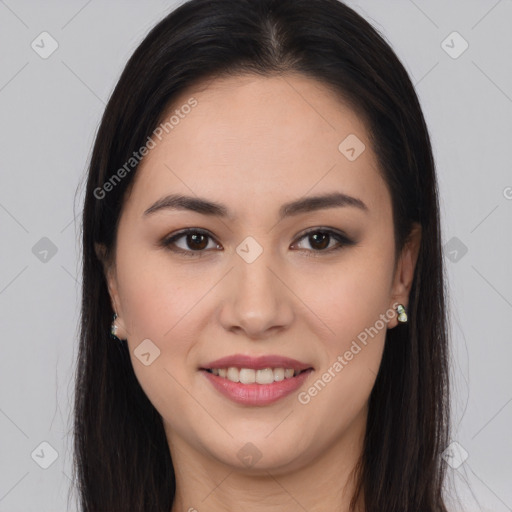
(253, 143)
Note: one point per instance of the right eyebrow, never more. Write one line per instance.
(212, 208)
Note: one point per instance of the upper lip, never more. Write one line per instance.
(257, 363)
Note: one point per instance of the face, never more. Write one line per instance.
(315, 285)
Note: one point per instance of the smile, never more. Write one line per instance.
(251, 387)
(251, 376)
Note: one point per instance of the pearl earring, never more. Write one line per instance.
(113, 328)
(402, 315)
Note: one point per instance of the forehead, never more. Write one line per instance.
(250, 140)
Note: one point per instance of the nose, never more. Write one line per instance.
(258, 303)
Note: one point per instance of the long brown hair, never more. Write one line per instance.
(121, 458)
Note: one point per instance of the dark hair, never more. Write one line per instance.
(122, 460)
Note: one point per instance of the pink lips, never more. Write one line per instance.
(257, 363)
(257, 394)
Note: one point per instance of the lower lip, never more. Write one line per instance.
(256, 394)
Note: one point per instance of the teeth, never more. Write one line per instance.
(265, 376)
(233, 374)
(279, 374)
(251, 376)
(247, 376)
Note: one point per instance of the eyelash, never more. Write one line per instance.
(342, 240)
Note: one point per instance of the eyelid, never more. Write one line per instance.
(168, 241)
(342, 239)
(325, 229)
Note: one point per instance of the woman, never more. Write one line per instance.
(263, 316)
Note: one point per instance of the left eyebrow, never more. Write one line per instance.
(212, 208)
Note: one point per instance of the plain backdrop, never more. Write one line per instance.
(50, 110)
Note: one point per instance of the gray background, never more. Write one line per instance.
(50, 110)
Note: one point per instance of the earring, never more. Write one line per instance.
(402, 315)
(113, 329)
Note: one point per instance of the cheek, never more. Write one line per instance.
(349, 296)
(352, 306)
(352, 299)
(159, 304)
(156, 296)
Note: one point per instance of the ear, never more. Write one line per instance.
(404, 273)
(109, 270)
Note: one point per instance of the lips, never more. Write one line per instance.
(257, 363)
(256, 381)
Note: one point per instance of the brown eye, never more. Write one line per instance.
(194, 241)
(320, 240)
